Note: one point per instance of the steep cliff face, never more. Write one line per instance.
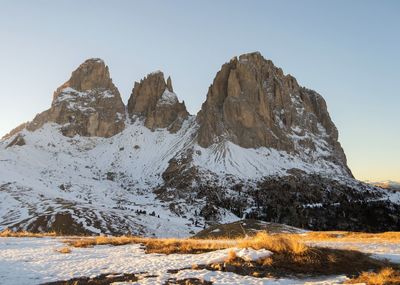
(253, 104)
(88, 104)
(154, 100)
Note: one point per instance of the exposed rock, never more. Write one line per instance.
(169, 84)
(88, 104)
(15, 130)
(92, 74)
(253, 104)
(154, 100)
(18, 140)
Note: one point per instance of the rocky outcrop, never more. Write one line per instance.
(88, 104)
(154, 100)
(17, 141)
(15, 130)
(254, 104)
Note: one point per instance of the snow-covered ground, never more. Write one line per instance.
(35, 261)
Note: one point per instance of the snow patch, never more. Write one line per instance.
(167, 98)
(250, 163)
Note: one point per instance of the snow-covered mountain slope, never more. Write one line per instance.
(90, 164)
(103, 183)
(227, 158)
(94, 185)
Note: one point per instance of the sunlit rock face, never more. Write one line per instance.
(154, 99)
(88, 104)
(254, 104)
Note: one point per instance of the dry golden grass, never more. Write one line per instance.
(274, 243)
(169, 246)
(342, 236)
(64, 250)
(282, 243)
(102, 240)
(153, 245)
(9, 233)
(387, 276)
(231, 256)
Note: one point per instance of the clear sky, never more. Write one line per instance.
(348, 51)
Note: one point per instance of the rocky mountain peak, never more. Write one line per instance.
(252, 103)
(92, 74)
(154, 100)
(88, 104)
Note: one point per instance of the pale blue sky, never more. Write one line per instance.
(346, 50)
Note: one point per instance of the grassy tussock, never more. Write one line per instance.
(9, 233)
(387, 276)
(231, 257)
(274, 243)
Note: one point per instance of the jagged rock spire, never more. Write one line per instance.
(154, 100)
(169, 84)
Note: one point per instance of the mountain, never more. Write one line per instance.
(261, 147)
(88, 104)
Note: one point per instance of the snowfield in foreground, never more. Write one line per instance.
(35, 261)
